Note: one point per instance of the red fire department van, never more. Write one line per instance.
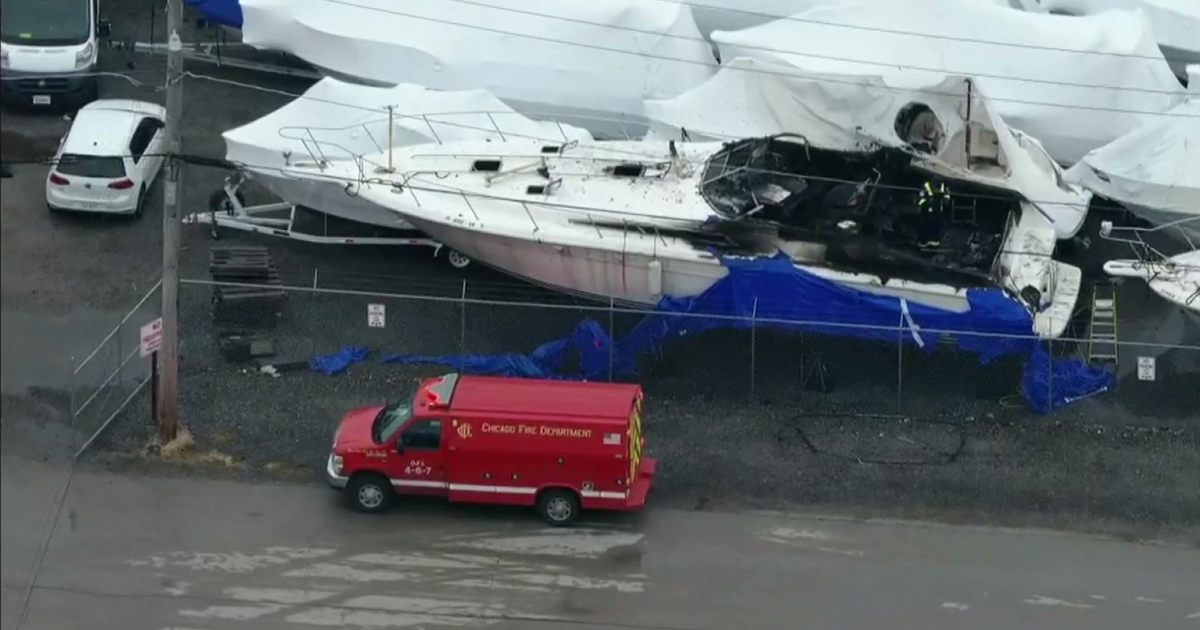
(561, 446)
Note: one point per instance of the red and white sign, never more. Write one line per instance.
(151, 339)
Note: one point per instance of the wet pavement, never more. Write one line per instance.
(208, 555)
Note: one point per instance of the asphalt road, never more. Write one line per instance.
(206, 555)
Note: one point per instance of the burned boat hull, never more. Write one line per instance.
(603, 224)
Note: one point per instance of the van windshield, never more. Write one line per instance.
(389, 420)
(45, 22)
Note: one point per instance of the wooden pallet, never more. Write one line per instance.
(248, 265)
(253, 301)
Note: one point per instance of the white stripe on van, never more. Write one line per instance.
(520, 490)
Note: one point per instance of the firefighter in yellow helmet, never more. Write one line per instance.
(933, 202)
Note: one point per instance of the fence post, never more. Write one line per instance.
(462, 324)
(900, 366)
(120, 355)
(753, 346)
(71, 402)
(612, 335)
(1050, 373)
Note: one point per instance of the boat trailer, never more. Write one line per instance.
(227, 209)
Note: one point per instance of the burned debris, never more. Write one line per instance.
(856, 211)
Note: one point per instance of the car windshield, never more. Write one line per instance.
(95, 166)
(45, 22)
(389, 420)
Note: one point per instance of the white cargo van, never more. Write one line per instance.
(48, 51)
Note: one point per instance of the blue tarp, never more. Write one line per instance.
(339, 361)
(1051, 383)
(221, 12)
(772, 292)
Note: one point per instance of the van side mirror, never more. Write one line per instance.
(103, 29)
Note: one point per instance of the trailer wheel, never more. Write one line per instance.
(218, 201)
(370, 493)
(558, 507)
(457, 259)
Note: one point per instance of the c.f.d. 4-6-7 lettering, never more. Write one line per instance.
(419, 469)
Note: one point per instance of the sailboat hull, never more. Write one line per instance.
(632, 278)
(330, 197)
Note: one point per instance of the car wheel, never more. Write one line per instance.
(370, 493)
(558, 507)
(140, 208)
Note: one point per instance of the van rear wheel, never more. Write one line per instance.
(370, 493)
(558, 507)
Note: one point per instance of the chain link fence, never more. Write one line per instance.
(104, 381)
(748, 359)
(53, 426)
(741, 410)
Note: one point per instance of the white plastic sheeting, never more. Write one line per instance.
(1175, 23)
(564, 57)
(1075, 83)
(733, 15)
(336, 121)
(858, 112)
(1154, 171)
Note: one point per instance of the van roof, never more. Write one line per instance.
(526, 398)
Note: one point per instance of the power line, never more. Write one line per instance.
(125, 76)
(509, 289)
(218, 162)
(694, 62)
(820, 56)
(768, 17)
(425, 118)
(350, 181)
(346, 179)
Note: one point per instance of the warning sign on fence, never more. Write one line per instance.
(1146, 368)
(151, 339)
(376, 316)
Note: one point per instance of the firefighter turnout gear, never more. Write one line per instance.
(932, 201)
(932, 196)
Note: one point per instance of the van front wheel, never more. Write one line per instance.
(558, 507)
(370, 493)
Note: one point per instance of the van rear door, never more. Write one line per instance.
(635, 440)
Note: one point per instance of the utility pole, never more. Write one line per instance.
(168, 374)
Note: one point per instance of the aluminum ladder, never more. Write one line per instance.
(1102, 333)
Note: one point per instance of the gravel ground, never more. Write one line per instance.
(1129, 462)
(956, 453)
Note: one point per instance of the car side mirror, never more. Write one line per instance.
(103, 29)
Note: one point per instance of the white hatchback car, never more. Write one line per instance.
(109, 158)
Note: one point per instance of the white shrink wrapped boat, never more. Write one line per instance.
(1154, 171)
(563, 59)
(1175, 279)
(1074, 83)
(1176, 23)
(291, 149)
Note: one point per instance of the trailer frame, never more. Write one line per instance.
(227, 209)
